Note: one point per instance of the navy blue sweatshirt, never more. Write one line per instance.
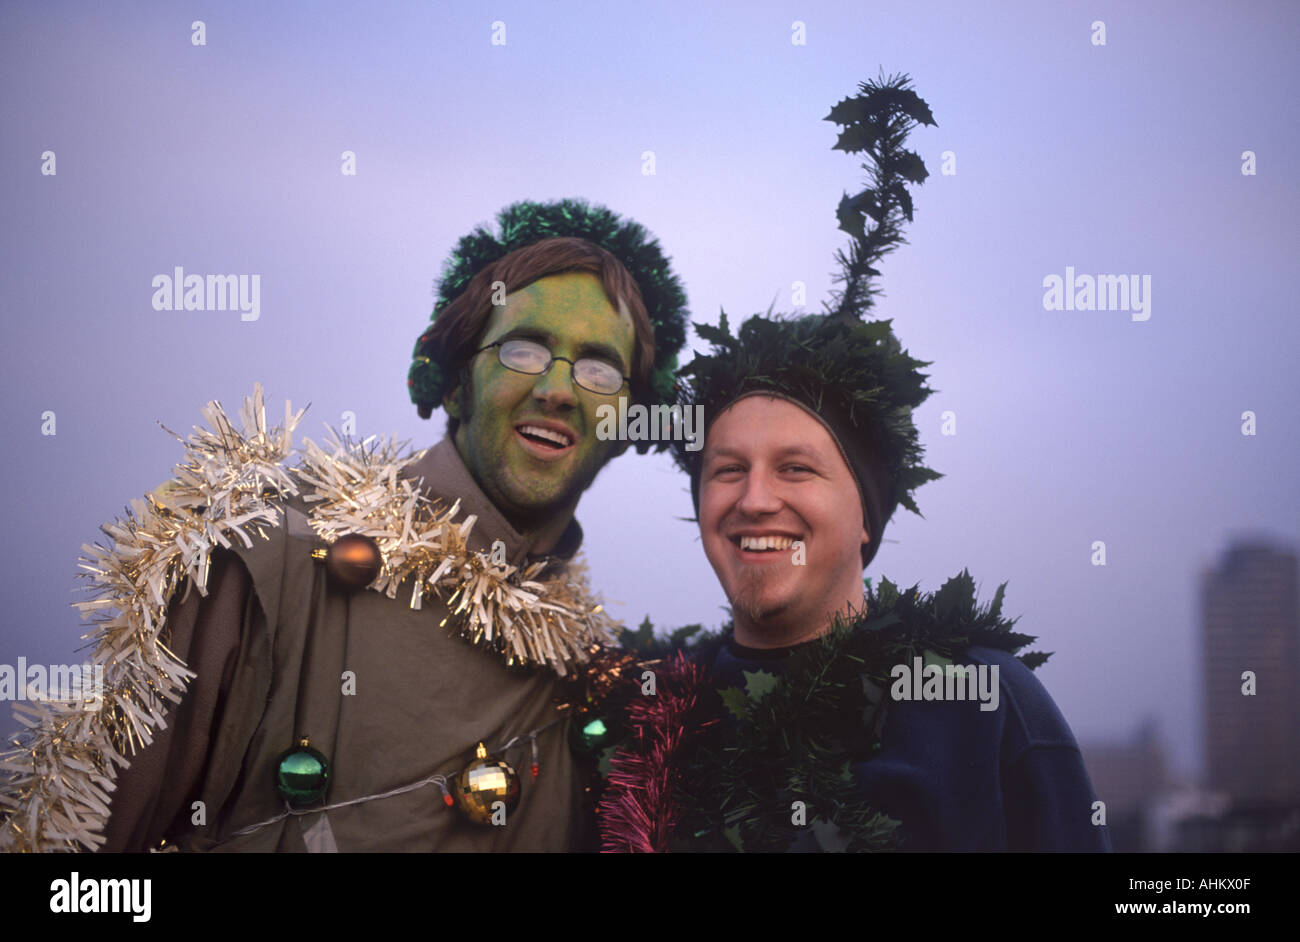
(964, 779)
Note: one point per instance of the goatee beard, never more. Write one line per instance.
(747, 601)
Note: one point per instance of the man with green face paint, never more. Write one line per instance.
(328, 716)
(529, 440)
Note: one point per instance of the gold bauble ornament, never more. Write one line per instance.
(483, 783)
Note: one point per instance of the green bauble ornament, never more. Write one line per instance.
(591, 734)
(302, 775)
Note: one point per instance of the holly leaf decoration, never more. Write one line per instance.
(914, 106)
(904, 199)
(733, 698)
(857, 138)
(719, 336)
(849, 215)
(956, 595)
(680, 636)
(1035, 659)
(929, 657)
(908, 165)
(893, 97)
(846, 112)
(995, 607)
(642, 637)
(758, 684)
(732, 834)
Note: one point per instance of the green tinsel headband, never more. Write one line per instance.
(527, 222)
(850, 372)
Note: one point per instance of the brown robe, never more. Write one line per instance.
(270, 644)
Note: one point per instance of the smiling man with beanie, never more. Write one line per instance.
(828, 717)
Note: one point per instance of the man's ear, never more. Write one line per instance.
(866, 536)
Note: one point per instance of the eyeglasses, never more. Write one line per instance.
(526, 356)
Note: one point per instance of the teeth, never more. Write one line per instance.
(762, 543)
(548, 434)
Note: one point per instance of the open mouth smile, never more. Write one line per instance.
(546, 440)
(762, 547)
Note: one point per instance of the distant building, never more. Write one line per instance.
(1125, 775)
(1250, 621)
(1128, 778)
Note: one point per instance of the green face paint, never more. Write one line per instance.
(511, 439)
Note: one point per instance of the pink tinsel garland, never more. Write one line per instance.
(638, 812)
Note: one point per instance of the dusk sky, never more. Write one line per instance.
(1071, 426)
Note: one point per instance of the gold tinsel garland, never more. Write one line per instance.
(359, 489)
(56, 780)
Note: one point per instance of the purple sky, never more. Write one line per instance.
(1072, 426)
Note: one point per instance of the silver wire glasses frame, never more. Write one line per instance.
(533, 359)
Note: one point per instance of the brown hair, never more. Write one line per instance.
(458, 329)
